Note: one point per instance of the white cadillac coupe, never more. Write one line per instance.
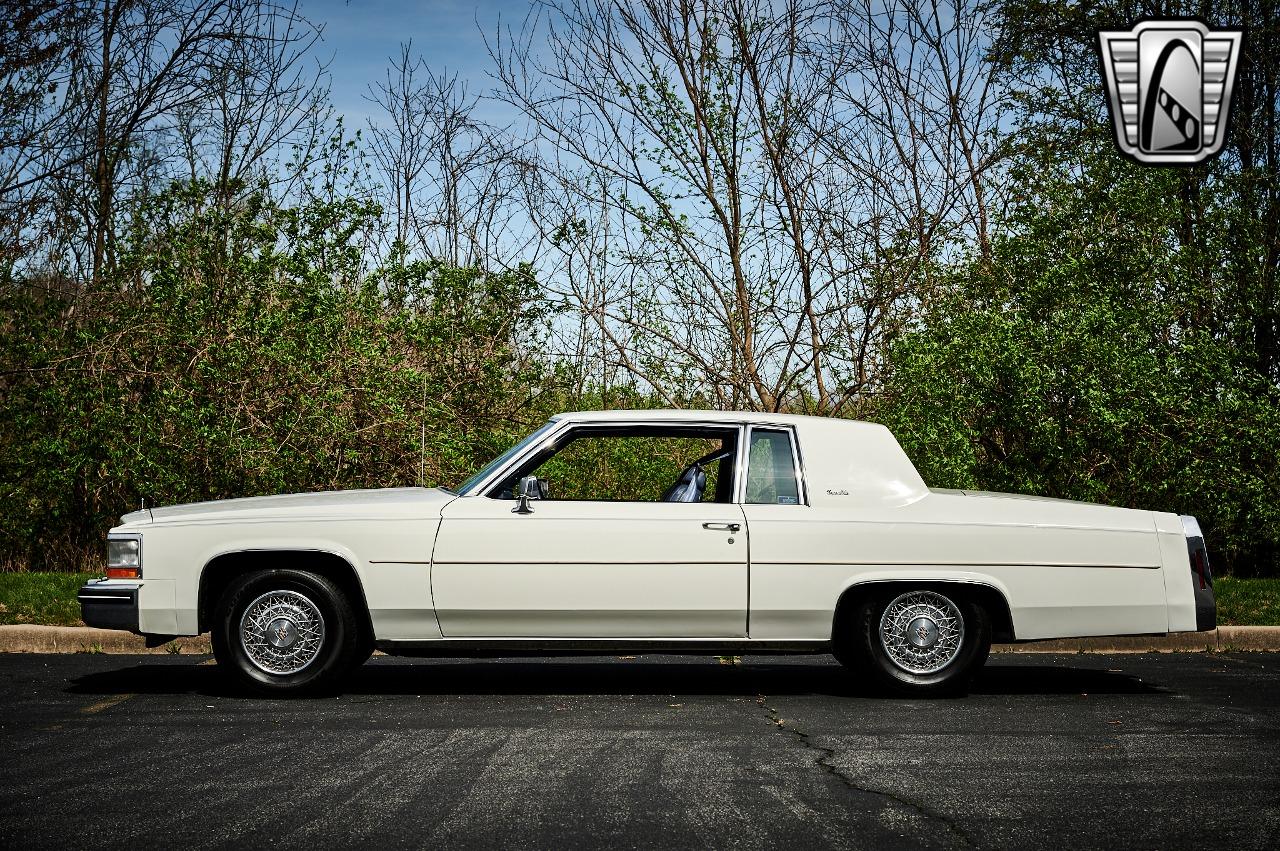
(672, 531)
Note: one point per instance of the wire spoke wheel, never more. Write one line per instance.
(282, 632)
(922, 632)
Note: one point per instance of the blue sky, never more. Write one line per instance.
(360, 35)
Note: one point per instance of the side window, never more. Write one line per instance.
(638, 463)
(626, 469)
(771, 471)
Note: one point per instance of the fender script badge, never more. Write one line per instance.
(837, 493)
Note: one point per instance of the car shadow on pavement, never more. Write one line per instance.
(1057, 679)
(616, 676)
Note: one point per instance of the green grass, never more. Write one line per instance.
(50, 598)
(1247, 602)
(43, 598)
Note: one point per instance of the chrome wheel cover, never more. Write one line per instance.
(921, 632)
(282, 632)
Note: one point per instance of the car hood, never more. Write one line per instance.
(337, 505)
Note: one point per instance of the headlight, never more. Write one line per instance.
(124, 556)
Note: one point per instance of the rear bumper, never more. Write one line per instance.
(1206, 609)
(109, 604)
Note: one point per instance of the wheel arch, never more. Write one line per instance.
(220, 571)
(988, 595)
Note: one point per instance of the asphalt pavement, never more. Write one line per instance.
(1156, 751)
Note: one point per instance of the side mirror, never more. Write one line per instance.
(529, 488)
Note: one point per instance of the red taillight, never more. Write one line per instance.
(123, 573)
(1198, 556)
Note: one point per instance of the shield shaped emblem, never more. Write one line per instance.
(1169, 88)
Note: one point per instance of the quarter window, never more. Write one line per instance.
(771, 471)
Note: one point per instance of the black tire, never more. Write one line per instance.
(366, 650)
(861, 646)
(218, 643)
(314, 659)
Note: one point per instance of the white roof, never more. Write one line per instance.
(847, 463)
(684, 415)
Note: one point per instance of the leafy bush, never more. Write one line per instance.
(245, 350)
(1096, 357)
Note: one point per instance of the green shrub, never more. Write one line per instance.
(246, 351)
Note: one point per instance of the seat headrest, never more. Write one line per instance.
(689, 487)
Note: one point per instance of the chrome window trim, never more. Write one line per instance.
(802, 492)
(740, 463)
(742, 427)
(485, 487)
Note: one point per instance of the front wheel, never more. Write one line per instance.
(917, 641)
(286, 632)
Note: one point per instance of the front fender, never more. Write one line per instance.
(390, 560)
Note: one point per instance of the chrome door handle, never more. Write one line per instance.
(722, 527)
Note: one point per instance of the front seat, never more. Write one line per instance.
(689, 487)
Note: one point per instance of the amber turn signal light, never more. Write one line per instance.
(124, 556)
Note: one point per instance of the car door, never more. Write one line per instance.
(576, 568)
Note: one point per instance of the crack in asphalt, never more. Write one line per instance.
(824, 761)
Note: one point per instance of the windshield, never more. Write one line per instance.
(464, 489)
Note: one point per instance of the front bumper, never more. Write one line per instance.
(110, 604)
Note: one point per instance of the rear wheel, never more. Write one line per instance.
(922, 640)
(286, 632)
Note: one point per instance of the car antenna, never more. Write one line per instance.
(422, 441)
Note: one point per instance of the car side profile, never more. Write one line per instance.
(685, 531)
